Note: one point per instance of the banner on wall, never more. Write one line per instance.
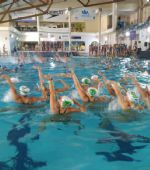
(57, 15)
(133, 35)
(25, 13)
(143, 35)
(83, 14)
(76, 14)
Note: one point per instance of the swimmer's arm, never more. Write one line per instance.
(65, 88)
(43, 89)
(81, 107)
(124, 80)
(7, 78)
(72, 110)
(102, 99)
(137, 84)
(106, 82)
(104, 78)
(117, 91)
(67, 75)
(139, 107)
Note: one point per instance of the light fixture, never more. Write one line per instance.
(148, 29)
(96, 11)
(147, 39)
(105, 38)
(66, 11)
(52, 39)
(127, 34)
(49, 35)
(17, 38)
(148, 0)
(12, 35)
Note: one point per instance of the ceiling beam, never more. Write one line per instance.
(7, 11)
(34, 15)
(43, 1)
(33, 5)
(24, 8)
(2, 1)
(100, 3)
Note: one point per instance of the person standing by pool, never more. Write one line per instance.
(64, 104)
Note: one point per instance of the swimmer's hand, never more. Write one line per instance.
(36, 67)
(114, 84)
(130, 76)
(70, 72)
(4, 76)
(123, 80)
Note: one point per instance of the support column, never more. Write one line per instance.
(38, 29)
(114, 16)
(69, 22)
(140, 11)
(99, 29)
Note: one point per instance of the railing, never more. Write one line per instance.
(26, 29)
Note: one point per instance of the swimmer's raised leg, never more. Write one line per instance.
(19, 98)
(107, 84)
(54, 108)
(79, 88)
(10, 83)
(65, 88)
(43, 88)
(145, 93)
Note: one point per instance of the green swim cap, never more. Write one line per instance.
(133, 96)
(86, 81)
(66, 102)
(92, 91)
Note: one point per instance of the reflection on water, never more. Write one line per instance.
(122, 140)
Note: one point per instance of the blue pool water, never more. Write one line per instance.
(101, 138)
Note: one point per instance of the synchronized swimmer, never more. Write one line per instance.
(88, 91)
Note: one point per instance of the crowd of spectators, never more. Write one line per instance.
(121, 50)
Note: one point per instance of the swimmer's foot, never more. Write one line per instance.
(48, 77)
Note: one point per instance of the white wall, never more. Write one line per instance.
(30, 36)
(6, 38)
(88, 38)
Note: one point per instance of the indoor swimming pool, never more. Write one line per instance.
(101, 138)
